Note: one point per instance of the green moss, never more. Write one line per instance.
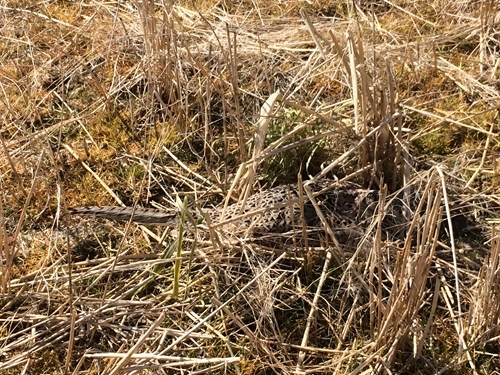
(433, 144)
(131, 171)
(307, 157)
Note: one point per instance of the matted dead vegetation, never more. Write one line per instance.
(201, 104)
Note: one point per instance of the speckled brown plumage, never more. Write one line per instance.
(276, 210)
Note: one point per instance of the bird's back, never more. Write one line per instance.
(275, 210)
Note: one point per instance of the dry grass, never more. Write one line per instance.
(140, 102)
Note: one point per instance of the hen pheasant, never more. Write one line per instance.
(276, 210)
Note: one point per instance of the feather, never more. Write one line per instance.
(139, 215)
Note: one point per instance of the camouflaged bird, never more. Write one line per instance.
(276, 210)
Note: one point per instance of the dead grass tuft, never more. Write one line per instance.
(205, 103)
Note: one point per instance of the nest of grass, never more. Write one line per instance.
(204, 104)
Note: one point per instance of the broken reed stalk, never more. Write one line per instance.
(484, 314)
(6, 254)
(411, 272)
(161, 52)
(178, 247)
(373, 105)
